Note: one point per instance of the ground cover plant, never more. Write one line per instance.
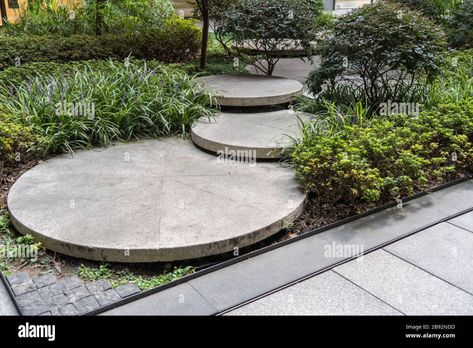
(94, 107)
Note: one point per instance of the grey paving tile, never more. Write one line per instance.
(86, 305)
(325, 294)
(107, 297)
(179, 300)
(18, 278)
(464, 221)
(44, 280)
(98, 286)
(454, 199)
(406, 287)
(6, 304)
(127, 290)
(23, 288)
(444, 250)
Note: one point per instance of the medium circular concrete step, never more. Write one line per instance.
(156, 200)
(262, 135)
(251, 90)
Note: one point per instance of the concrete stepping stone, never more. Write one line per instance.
(262, 135)
(155, 200)
(251, 90)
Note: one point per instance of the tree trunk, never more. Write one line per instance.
(98, 16)
(204, 7)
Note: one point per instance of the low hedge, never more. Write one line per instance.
(391, 157)
(178, 41)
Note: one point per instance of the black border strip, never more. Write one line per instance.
(307, 234)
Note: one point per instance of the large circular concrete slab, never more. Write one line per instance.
(251, 90)
(156, 200)
(262, 135)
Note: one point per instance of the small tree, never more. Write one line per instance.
(203, 8)
(375, 54)
(271, 26)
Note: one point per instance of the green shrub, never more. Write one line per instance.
(96, 106)
(453, 83)
(375, 54)
(18, 74)
(126, 16)
(269, 25)
(437, 10)
(16, 141)
(462, 25)
(45, 17)
(388, 158)
(178, 41)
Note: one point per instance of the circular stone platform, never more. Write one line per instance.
(251, 90)
(266, 134)
(156, 200)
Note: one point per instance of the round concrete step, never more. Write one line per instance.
(251, 90)
(262, 135)
(156, 200)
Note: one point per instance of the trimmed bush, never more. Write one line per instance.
(389, 158)
(97, 105)
(375, 54)
(178, 41)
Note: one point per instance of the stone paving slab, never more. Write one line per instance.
(7, 307)
(444, 250)
(47, 295)
(251, 90)
(156, 200)
(262, 135)
(291, 68)
(179, 300)
(465, 221)
(405, 287)
(325, 294)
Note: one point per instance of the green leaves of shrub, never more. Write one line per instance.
(462, 25)
(390, 157)
(375, 54)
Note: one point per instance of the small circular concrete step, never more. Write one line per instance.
(251, 90)
(262, 135)
(155, 200)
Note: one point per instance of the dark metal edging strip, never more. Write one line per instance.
(268, 248)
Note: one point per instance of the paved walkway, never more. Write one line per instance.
(292, 68)
(430, 271)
